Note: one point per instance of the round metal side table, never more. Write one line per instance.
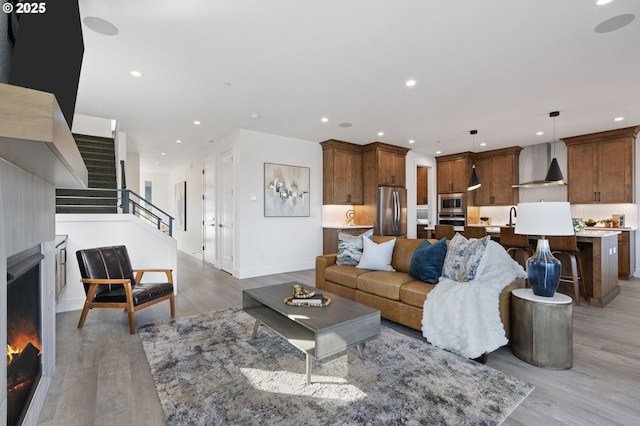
(542, 329)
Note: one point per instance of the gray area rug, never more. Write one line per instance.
(208, 371)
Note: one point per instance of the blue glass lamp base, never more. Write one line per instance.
(543, 270)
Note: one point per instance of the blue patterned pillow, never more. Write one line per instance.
(463, 257)
(350, 247)
(427, 260)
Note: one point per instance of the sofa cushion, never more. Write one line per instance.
(403, 252)
(345, 275)
(427, 261)
(383, 283)
(377, 257)
(414, 293)
(463, 257)
(350, 247)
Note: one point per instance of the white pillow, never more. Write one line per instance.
(377, 257)
(463, 257)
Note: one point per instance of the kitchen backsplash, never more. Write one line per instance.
(500, 214)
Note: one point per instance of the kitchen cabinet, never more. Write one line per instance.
(626, 254)
(422, 185)
(384, 164)
(342, 173)
(497, 171)
(423, 231)
(601, 166)
(453, 172)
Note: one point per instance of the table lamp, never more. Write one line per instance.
(542, 219)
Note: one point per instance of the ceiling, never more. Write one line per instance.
(498, 66)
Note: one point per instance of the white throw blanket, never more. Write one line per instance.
(464, 317)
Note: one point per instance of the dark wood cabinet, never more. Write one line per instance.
(453, 172)
(422, 185)
(342, 173)
(497, 170)
(423, 231)
(626, 254)
(601, 166)
(384, 164)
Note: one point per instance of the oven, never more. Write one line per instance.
(452, 219)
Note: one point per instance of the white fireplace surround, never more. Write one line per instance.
(37, 153)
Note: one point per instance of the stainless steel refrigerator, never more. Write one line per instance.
(392, 211)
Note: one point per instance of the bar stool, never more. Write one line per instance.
(444, 231)
(567, 248)
(516, 243)
(475, 231)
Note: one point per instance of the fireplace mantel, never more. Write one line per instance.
(35, 137)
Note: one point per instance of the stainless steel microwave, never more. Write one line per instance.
(452, 203)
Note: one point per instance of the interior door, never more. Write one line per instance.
(227, 213)
(209, 225)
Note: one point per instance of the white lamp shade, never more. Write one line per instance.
(544, 218)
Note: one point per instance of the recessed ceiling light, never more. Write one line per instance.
(438, 152)
(380, 133)
(196, 123)
(256, 116)
(603, 2)
(324, 119)
(412, 141)
(483, 144)
(618, 119)
(163, 153)
(539, 133)
(157, 162)
(136, 73)
(178, 141)
(101, 26)
(410, 83)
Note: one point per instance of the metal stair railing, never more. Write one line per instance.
(128, 202)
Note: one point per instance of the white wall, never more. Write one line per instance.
(93, 126)
(147, 248)
(268, 245)
(415, 159)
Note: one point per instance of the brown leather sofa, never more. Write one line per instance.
(397, 295)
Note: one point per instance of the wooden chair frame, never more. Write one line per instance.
(128, 306)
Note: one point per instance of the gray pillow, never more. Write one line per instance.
(463, 258)
(350, 247)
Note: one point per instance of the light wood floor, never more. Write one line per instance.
(102, 376)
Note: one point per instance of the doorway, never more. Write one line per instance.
(226, 217)
(209, 230)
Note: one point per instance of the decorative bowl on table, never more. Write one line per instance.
(590, 222)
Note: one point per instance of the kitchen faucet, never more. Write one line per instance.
(512, 210)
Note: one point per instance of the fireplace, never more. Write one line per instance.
(24, 332)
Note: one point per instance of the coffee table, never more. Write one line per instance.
(319, 332)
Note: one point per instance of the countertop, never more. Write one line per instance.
(347, 227)
(595, 232)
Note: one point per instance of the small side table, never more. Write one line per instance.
(542, 329)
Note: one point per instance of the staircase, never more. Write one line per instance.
(99, 156)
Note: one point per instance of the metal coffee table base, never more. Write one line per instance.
(318, 332)
(359, 348)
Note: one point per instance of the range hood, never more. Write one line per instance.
(35, 137)
(537, 159)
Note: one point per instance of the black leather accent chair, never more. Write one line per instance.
(109, 282)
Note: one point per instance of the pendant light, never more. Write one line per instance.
(474, 182)
(554, 174)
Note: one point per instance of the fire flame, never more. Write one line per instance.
(10, 353)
